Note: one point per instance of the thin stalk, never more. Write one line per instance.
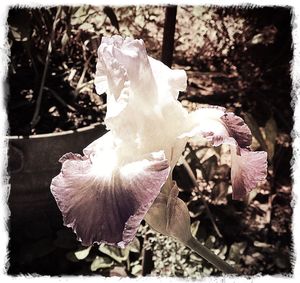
(207, 254)
(35, 117)
(59, 99)
(79, 88)
(80, 82)
(193, 178)
(28, 50)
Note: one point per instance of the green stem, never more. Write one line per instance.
(207, 254)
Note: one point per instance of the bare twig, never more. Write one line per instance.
(36, 117)
(168, 37)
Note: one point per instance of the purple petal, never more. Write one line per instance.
(219, 127)
(107, 207)
(248, 169)
(237, 129)
(213, 123)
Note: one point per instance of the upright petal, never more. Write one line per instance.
(106, 205)
(248, 167)
(142, 109)
(123, 63)
(168, 81)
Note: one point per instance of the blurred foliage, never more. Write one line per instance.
(235, 57)
(69, 100)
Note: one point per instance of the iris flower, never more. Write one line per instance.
(106, 193)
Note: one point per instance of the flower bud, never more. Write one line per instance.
(169, 215)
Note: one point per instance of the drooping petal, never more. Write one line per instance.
(106, 205)
(248, 169)
(237, 129)
(213, 123)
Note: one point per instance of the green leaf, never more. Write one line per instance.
(83, 253)
(271, 134)
(257, 39)
(118, 254)
(195, 227)
(137, 270)
(207, 271)
(118, 271)
(262, 245)
(209, 167)
(210, 241)
(135, 246)
(250, 197)
(101, 262)
(222, 252)
(80, 15)
(196, 258)
(87, 27)
(208, 153)
(115, 253)
(19, 24)
(71, 257)
(198, 11)
(236, 251)
(64, 39)
(253, 126)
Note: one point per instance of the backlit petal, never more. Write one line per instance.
(106, 205)
(123, 63)
(168, 81)
(142, 109)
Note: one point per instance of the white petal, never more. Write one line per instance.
(169, 82)
(141, 106)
